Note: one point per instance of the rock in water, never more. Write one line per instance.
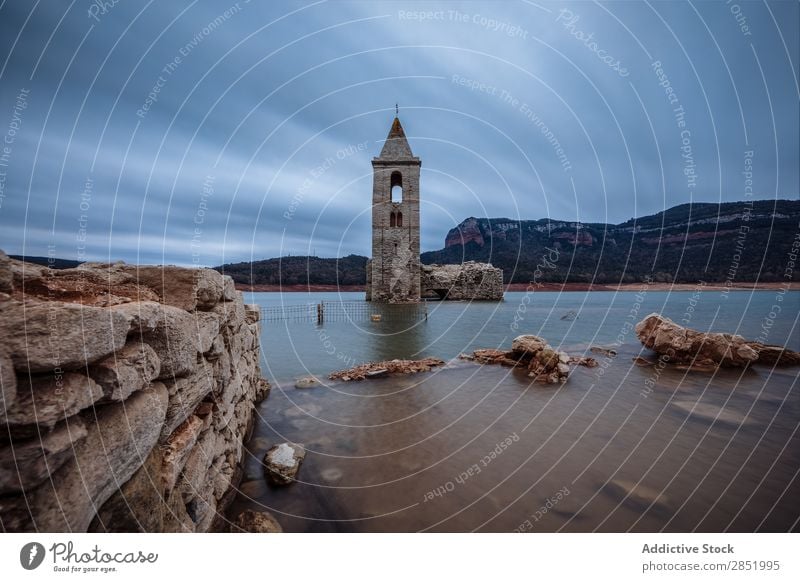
(687, 346)
(282, 462)
(256, 522)
(308, 382)
(681, 345)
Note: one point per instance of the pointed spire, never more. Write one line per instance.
(396, 146)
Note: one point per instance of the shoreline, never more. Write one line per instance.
(551, 287)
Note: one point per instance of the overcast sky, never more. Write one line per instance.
(201, 132)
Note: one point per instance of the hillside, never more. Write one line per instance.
(684, 244)
(288, 271)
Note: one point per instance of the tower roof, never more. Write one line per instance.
(396, 146)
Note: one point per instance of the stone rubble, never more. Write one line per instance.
(544, 364)
(378, 369)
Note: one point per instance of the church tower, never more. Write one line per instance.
(393, 274)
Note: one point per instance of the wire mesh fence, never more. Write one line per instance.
(325, 312)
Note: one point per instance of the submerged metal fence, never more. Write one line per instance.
(345, 311)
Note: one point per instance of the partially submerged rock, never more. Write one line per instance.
(282, 462)
(603, 351)
(308, 382)
(256, 522)
(377, 369)
(676, 344)
(543, 363)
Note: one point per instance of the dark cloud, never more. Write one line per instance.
(207, 136)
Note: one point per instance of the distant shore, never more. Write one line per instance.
(565, 287)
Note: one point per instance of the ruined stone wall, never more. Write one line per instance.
(467, 281)
(127, 393)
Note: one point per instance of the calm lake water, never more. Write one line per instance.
(468, 447)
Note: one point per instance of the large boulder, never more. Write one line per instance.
(282, 462)
(45, 336)
(680, 345)
(126, 371)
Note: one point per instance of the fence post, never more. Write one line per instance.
(320, 313)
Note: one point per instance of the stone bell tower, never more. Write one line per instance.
(393, 274)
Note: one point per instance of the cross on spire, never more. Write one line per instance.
(396, 110)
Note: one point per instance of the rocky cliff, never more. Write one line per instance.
(127, 393)
(736, 242)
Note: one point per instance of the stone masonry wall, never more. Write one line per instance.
(127, 393)
(466, 281)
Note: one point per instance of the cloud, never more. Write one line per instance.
(516, 110)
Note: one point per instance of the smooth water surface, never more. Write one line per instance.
(618, 447)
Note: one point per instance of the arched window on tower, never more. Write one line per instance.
(396, 184)
(399, 219)
(392, 220)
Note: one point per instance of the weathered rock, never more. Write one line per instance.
(24, 273)
(228, 288)
(46, 399)
(139, 505)
(42, 337)
(252, 313)
(177, 448)
(308, 382)
(26, 464)
(186, 289)
(687, 346)
(389, 367)
(200, 458)
(116, 445)
(207, 326)
(256, 522)
(6, 275)
(282, 462)
(527, 346)
(90, 284)
(184, 396)
(465, 281)
(775, 355)
(544, 364)
(143, 316)
(175, 342)
(126, 371)
(8, 383)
